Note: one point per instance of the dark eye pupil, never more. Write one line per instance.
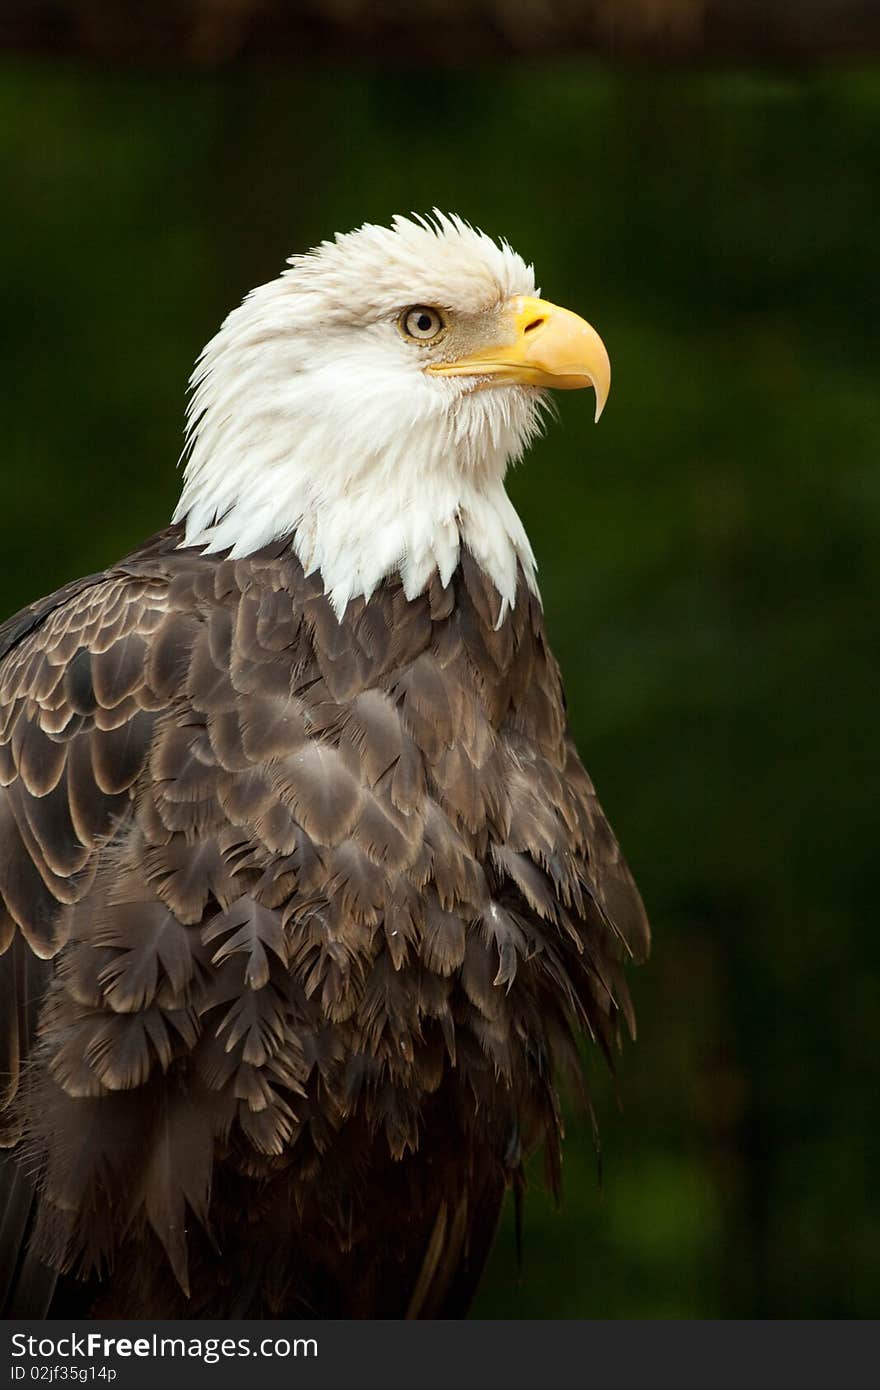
(424, 322)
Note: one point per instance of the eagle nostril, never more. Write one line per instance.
(535, 323)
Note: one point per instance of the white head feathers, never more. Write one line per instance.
(312, 415)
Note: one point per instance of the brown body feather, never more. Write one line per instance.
(300, 920)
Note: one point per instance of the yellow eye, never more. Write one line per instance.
(421, 322)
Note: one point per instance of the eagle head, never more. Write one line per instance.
(368, 401)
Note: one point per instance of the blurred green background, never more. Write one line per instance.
(710, 557)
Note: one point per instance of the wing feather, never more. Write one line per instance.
(287, 883)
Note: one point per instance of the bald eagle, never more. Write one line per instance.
(305, 896)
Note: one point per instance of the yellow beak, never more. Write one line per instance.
(546, 346)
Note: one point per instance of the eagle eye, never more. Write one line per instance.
(421, 323)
